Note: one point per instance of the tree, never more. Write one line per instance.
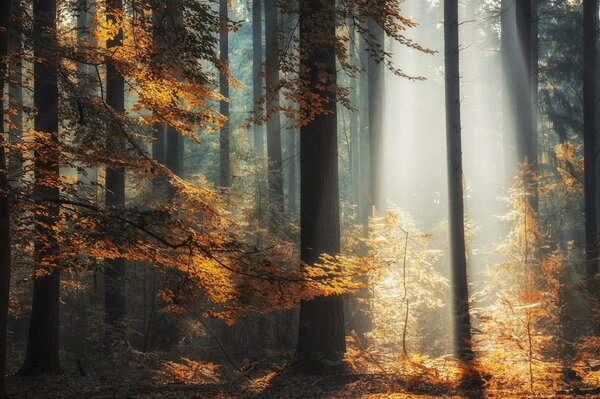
(321, 331)
(224, 137)
(376, 77)
(5, 243)
(15, 95)
(42, 345)
(590, 97)
(257, 78)
(275, 175)
(115, 177)
(460, 289)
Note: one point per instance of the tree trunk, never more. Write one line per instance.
(275, 175)
(87, 177)
(42, 345)
(364, 164)
(257, 79)
(115, 188)
(460, 291)
(590, 96)
(376, 93)
(354, 129)
(15, 97)
(224, 139)
(321, 332)
(5, 247)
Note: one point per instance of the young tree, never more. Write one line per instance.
(5, 244)
(460, 289)
(115, 178)
(42, 345)
(224, 137)
(274, 154)
(590, 97)
(321, 337)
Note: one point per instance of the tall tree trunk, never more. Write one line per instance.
(590, 97)
(224, 139)
(292, 172)
(87, 177)
(42, 345)
(115, 186)
(15, 96)
(354, 128)
(460, 290)
(257, 78)
(376, 93)
(275, 176)
(5, 256)
(321, 330)
(364, 210)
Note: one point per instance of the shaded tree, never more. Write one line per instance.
(224, 136)
(321, 337)
(114, 278)
(42, 345)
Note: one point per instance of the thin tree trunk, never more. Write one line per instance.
(115, 188)
(224, 139)
(364, 164)
(460, 291)
(275, 175)
(376, 93)
(5, 247)
(321, 331)
(42, 345)
(87, 177)
(292, 174)
(354, 128)
(590, 97)
(257, 78)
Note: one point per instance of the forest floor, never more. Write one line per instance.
(270, 385)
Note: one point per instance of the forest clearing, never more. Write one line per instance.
(299, 199)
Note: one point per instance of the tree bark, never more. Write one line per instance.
(364, 164)
(115, 187)
(275, 175)
(354, 128)
(590, 97)
(5, 243)
(42, 345)
(15, 96)
(376, 107)
(224, 139)
(321, 332)
(257, 78)
(460, 290)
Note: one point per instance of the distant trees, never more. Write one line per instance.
(321, 338)
(42, 345)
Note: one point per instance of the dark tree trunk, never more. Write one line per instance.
(257, 79)
(460, 290)
(321, 330)
(159, 143)
(5, 256)
(590, 97)
(275, 175)
(115, 189)
(292, 172)
(376, 93)
(224, 139)
(42, 345)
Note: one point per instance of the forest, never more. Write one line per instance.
(299, 199)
